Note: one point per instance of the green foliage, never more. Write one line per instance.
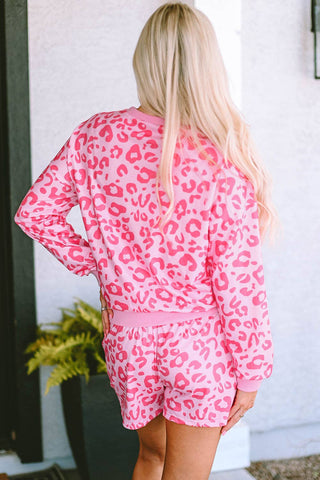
(74, 346)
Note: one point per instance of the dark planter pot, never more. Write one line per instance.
(102, 448)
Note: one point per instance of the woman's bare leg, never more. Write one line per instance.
(190, 451)
(152, 440)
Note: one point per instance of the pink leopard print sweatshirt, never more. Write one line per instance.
(211, 254)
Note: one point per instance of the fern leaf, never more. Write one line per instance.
(34, 346)
(83, 339)
(75, 340)
(44, 356)
(96, 324)
(63, 372)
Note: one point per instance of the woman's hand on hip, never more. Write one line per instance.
(105, 314)
(243, 401)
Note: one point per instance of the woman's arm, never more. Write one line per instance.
(239, 288)
(42, 214)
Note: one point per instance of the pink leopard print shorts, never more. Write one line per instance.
(181, 369)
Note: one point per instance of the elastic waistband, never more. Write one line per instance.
(146, 319)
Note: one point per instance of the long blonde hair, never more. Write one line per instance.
(181, 77)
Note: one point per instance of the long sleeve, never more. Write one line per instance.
(42, 214)
(238, 285)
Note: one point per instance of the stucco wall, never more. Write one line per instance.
(281, 101)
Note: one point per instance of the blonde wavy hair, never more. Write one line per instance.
(181, 77)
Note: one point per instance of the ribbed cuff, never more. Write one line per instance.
(248, 385)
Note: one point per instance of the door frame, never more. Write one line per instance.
(20, 407)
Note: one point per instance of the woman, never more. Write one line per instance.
(187, 335)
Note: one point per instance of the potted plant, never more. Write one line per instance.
(101, 446)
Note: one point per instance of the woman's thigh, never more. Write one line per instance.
(190, 451)
(152, 438)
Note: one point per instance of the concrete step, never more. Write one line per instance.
(239, 474)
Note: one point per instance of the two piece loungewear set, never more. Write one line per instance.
(191, 322)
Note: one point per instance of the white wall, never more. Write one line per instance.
(226, 20)
(281, 101)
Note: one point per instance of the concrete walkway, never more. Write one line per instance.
(240, 474)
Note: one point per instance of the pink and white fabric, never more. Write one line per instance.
(211, 254)
(183, 370)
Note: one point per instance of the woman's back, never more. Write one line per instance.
(111, 162)
(146, 270)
